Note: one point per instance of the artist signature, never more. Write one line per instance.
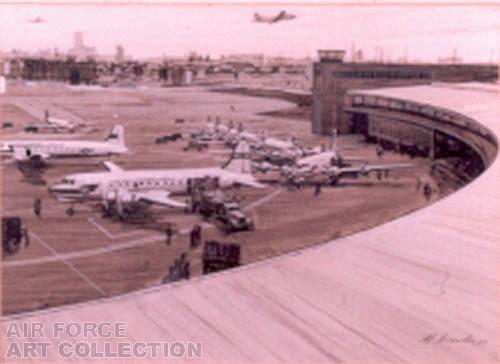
(437, 339)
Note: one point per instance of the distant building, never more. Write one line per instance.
(333, 78)
(253, 59)
(74, 72)
(80, 51)
(120, 54)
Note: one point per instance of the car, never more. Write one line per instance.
(31, 129)
(168, 138)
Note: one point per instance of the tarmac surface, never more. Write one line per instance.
(85, 257)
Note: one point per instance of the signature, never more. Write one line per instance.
(447, 339)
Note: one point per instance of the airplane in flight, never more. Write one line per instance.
(152, 186)
(38, 151)
(51, 124)
(282, 15)
(36, 20)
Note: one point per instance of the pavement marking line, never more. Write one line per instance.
(85, 253)
(108, 234)
(17, 211)
(71, 266)
(100, 228)
(262, 200)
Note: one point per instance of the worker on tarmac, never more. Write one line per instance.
(37, 207)
(168, 235)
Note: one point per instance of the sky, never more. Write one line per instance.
(421, 32)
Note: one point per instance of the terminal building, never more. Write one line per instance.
(333, 79)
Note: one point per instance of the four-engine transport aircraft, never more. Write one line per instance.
(282, 15)
(51, 124)
(330, 164)
(152, 186)
(41, 150)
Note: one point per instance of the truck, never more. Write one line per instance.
(232, 218)
(13, 234)
(220, 256)
(226, 212)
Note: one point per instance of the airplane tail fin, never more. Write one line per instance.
(257, 17)
(117, 135)
(240, 160)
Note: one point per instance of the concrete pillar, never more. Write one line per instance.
(432, 151)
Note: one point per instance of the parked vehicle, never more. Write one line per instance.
(13, 234)
(168, 138)
(220, 256)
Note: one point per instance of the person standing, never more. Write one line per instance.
(317, 189)
(427, 191)
(37, 207)
(168, 235)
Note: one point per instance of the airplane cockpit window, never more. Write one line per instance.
(68, 181)
(91, 188)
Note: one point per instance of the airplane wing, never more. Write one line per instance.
(159, 197)
(385, 167)
(58, 122)
(110, 166)
(251, 183)
(364, 170)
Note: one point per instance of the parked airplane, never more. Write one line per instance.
(334, 172)
(302, 159)
(329, 163)
(51, 124)
(282, 15)
(40, 150)
(152, 186)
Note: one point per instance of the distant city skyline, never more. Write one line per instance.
(150, 31)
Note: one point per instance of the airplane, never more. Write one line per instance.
(302, 159)
(152, 186)
(36, 20)
(282, 15)
(260, 141)
(51, 124)
(37, 151)
(331, 164)
(336, 172)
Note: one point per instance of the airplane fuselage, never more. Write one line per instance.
(90, 186)
(62, 149)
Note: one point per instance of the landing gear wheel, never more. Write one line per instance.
(70, 211)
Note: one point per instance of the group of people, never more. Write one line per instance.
(179, 270)
(181, 267)
(195, 235)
